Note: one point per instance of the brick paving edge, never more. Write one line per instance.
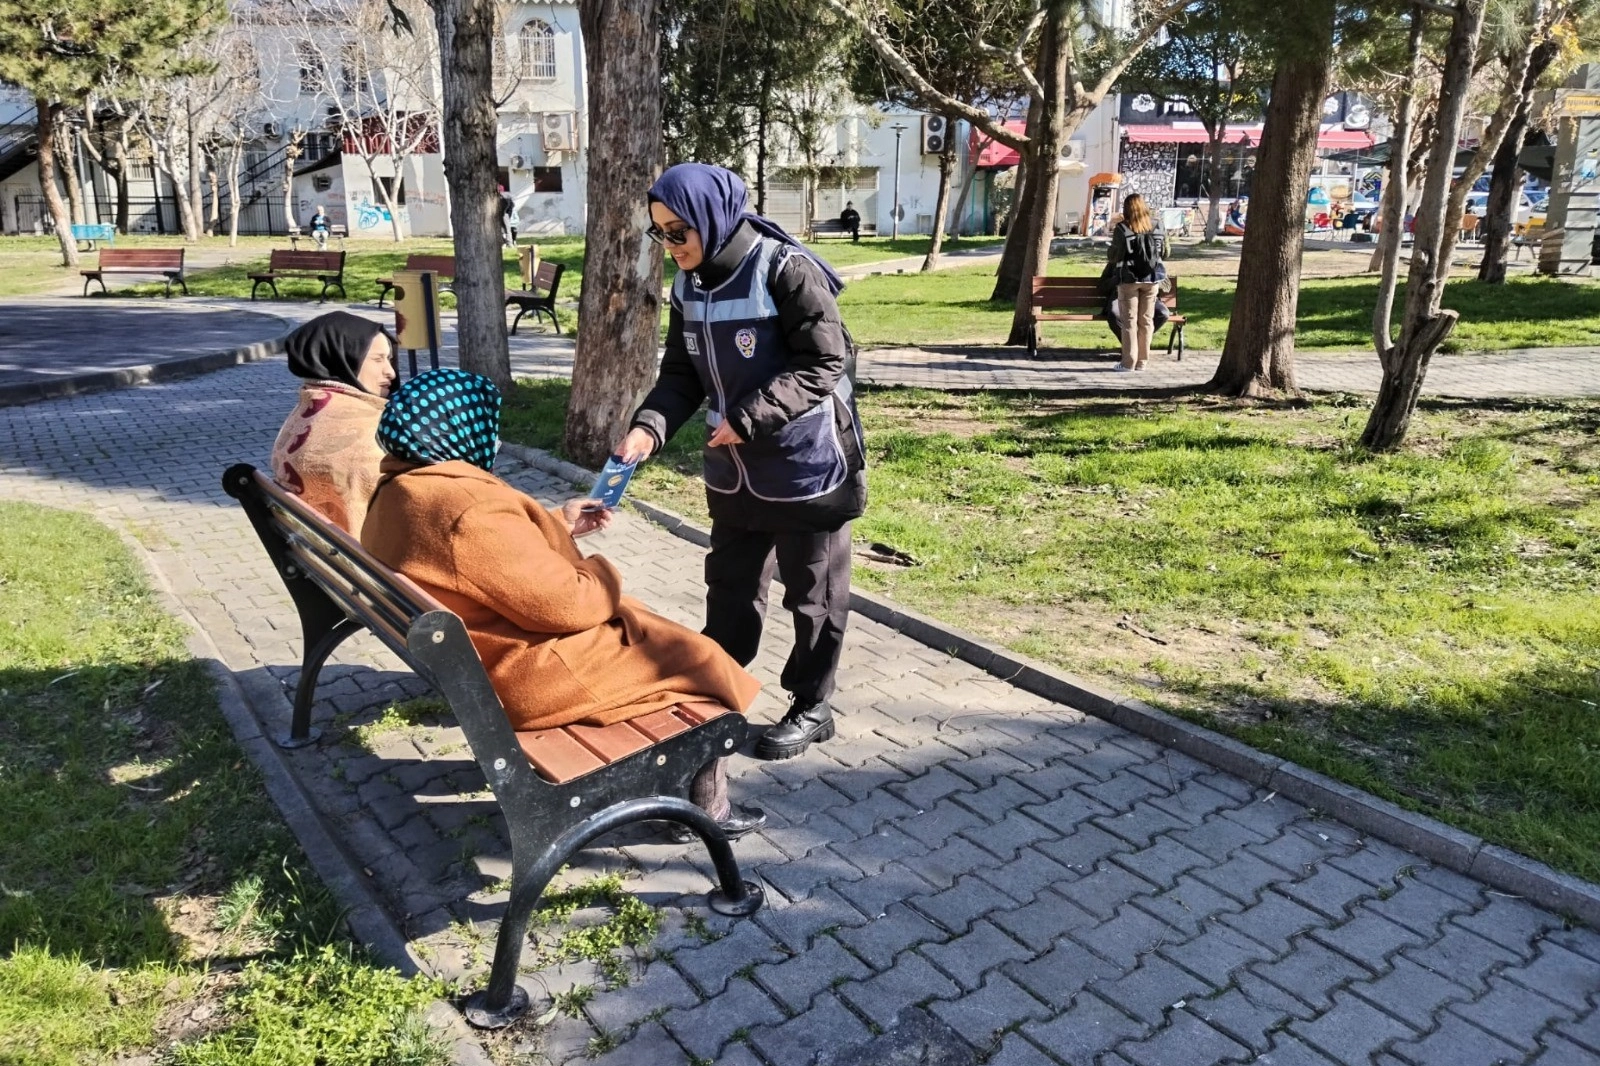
(25, 392)
(365, 915)
(1455, 849)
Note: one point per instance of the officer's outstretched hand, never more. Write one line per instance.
(636, 446)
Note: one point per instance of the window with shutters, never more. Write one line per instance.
(311, 70)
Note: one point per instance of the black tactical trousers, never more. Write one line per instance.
(815, 571)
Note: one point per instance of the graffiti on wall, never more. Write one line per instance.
(1147, 169)
(369, 215)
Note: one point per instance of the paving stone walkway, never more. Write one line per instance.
(967, 869)
(1532, 372)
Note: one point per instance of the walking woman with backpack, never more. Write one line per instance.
(1135, 261)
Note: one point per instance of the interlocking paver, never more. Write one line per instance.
(1458, 1045)
(1186, 1041)
(1352, 1031)
(1057, 835)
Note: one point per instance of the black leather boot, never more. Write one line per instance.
(740, 821)
(805, 723)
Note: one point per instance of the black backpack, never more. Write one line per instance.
(1141, 257)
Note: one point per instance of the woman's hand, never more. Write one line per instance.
(636, 446)
(724, 434)
(585, 516)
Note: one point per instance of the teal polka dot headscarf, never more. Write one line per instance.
(443, 415)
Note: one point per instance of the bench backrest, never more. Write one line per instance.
(547, 279)
(442, 265)
(142, 258)
(1065, 293)
(283, 259)
(93, 231)
(320, 563)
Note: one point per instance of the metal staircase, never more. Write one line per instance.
(18, 136)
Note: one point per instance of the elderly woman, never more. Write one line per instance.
(327, 450)
(560, 641)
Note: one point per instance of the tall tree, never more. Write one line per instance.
(1425, 324)
(945, 41)
(466, 32)
(620, 306)
(1071, 47)
(1258, 354)
(62, 50)
(1215, 62)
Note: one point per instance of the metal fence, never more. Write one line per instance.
(263, 216)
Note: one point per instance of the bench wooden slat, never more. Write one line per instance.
(556, 755)
(610, 742)
(701, 713)
(660, 725)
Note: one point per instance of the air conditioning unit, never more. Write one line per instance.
(935, 134)
(558, 132)
(272, 131)
(1074, 151)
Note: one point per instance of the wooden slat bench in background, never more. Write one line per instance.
(326, 267)
(540, 297)
(165, 263)
(442, 265)
(832, 227)
(559, 789)
(1080, 300)
(90, 233)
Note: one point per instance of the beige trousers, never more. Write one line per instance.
(1136, 305)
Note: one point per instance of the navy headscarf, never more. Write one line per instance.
(443, 415)
(713, 201)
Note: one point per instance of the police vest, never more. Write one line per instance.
(736, 343)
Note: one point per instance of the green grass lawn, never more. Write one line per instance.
(952, 307)
(1423, 625)
(152, 898)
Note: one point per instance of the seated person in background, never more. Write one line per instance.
(327, 450)
(1233, 223)
(321, 225)
(559, 640)
(1469, 225)
(850, 219)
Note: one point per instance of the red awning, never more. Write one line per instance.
(1331, 137)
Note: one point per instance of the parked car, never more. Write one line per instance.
(1478, 204)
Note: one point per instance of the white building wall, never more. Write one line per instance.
(522, 143)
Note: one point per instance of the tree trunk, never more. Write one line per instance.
(1506, 181)
(470, 123)
(67, 137)
(1214, 212)
(1045, 152)
(763, 109)
(1258, 355)
(291, 152)
(47, 182)
(1425, 326)
(1395, 192)
(1009, 275)
(196, 163)
(235, 162)
(947, 163)
(620, 306)
(966, 190)
(214, 208)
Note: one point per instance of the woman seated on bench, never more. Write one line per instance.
(327, 451)
(559, 640)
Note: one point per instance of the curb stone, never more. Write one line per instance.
(1455, 849)
(25, 392)
(366, 917)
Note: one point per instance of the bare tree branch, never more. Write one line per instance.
(1151, 28)
(1015, 57)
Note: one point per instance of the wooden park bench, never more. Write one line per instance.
(832, 227)
(94, 232)
(442, 265)
(326, 267)
(337, 231)
(165, 263)
(540, 297)
(559, 789)
(1080, 300)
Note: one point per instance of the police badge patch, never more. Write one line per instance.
(691, 343)
(745, 339)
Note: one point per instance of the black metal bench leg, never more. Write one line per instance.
(305, 694)
(503, 1001)
(520, 312)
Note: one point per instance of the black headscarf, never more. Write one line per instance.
(332, 347)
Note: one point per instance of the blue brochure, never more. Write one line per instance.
(612, 482)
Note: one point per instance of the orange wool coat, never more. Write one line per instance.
(560, 641)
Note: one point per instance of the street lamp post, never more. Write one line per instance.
(899, 128)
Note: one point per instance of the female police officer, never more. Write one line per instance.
(755, 333)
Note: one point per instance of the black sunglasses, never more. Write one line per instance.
(679, 235)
